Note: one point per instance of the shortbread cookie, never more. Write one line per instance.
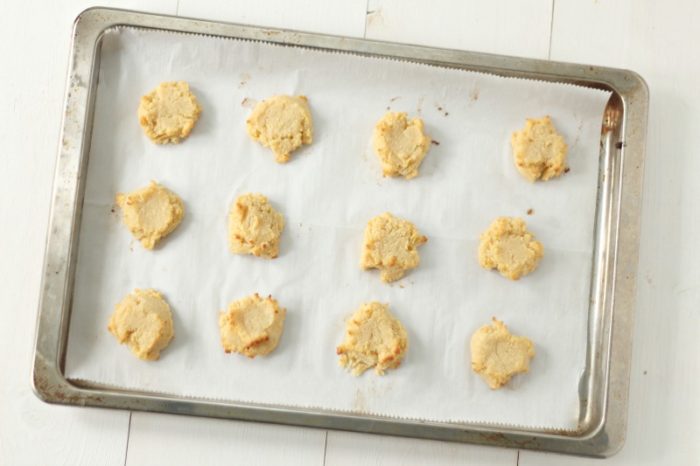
(508, 247)
(539, 150)
(151, 213)
(169, 112)
(282, 123)
(252, 326)
(144, 322)
(254, 226)
(373, 338)
(400, 144)
(497, 355)
(391, 245)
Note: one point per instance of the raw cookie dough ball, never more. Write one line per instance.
(281, 123)
(252, 326)
(144, 322)
(510, 248)
(539, 150)
(169, 112)
(391, 245)
(254, 226)
(373, 338)
(151, 213)
(497, 355)
(400, 144)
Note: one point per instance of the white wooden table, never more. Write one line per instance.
(660, 40)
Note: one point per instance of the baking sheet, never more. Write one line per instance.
(327, 193)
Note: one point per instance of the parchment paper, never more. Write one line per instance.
(327, 193)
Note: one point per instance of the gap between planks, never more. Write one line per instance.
(551, 33)
(128, 437)
(325, 448)
(364, 34)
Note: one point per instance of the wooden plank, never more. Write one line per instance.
(347, 448)
(35, 37)
(344, 18)
(660, 42)
(181, 440)
(510, 28)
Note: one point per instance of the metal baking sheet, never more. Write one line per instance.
(604, 386)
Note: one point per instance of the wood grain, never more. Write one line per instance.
(339, 17)
(347, 448)
(509, 28)
(180, 440)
